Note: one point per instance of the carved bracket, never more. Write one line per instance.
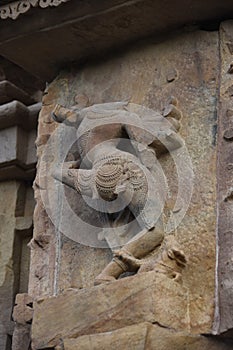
(14, 9)
(23, 310)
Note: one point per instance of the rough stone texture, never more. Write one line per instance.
(80, 29)
(23, 309)
(22, 315)
(17, 138)
(21, 337)
(16, 113)
(143, 76)
(9, 193)
(145, 336)
(18, 153)
(18, 121)
(20, 78)
(9, 92)
(145, 297)
(17, 161)
(12, 207)
(225, 189)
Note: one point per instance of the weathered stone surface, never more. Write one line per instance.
(9, 92)
(145, 336)
(224, 285)
(91, 28)
(16, 113)
(139, 75)
(12, 113)
(145, 297)
(74, 260)
(11, 72)
(16, 172)
(131, 337)
(15, 231)
(34, 110)
(23, 309)
(18, 153)
(8, 194)
(17, 161)
(21, 337)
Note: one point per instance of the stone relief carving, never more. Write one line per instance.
(119, 172)
(14, 9)
(169, 262)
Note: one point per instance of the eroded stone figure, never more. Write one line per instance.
(119, 171)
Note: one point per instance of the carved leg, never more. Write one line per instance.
(111, 272)
(137, 248)
(145, 243)
(132, 262)
(64, 177)
(128, 258)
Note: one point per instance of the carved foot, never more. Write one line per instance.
(128, 259)
(178, 277)
(102, 278)
(177, 255)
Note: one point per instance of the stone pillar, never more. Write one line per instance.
(15, 233)
(18, 121)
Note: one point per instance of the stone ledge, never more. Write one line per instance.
(9, 92)
(17, 147)
(146, 297)
(15, 172)
(90, 28)
(146, 336)
(16, 113)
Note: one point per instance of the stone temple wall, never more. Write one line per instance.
(146, 310)
(19, 110)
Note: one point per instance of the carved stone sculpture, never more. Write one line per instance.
(170, 261)
(118, 169)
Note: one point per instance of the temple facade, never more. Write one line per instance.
(116, 130)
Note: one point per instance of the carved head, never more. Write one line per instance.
(107, 178)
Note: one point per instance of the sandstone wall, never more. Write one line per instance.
(187, 67)
(18, 121)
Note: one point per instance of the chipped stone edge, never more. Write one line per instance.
(14, 9)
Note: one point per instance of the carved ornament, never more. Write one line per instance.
(123, 181)
(14, 9)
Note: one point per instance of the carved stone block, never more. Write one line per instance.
(145, 297)
(18, 153)
(146, 336)
(187, 67)
(9, 92)
(14, 203)
(23, 310)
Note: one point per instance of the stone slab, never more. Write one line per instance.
(16, 113)
(23, 311)
(15, 172)
(19, 77)
(9, 92)
(17, 147)
(224, 314)
(12, 113)
(8, 279)
(142, 75)
(145, 336)
(147, 296)
(93, 27)
(131, 337)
